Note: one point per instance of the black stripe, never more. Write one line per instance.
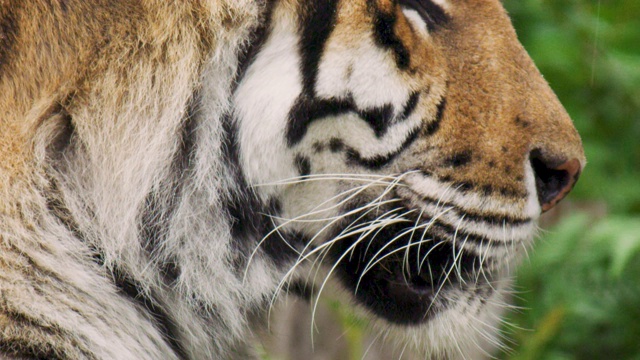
(243, 206)
(385, 35)
(245, 210)
(459, 159)
(493, 219)
(434, 125)
(303, 164)
(379, 118)
(432, 14)
(306, 111)
(410, 106)
(160, 205)
(257, 39)
(379, 161)
(462, 236)
(249, 216)
(168, 329)
(317, 21)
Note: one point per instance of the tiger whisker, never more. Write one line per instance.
(448, 273)
(364, 227)
(389, 243)
(402, 248)
(324, 283)
(318, 249)
(379, 225)
(405, 262)
(325, 177)
(264, 238)
(375, 203)
(371, 345)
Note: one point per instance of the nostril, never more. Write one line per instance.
(554, 179)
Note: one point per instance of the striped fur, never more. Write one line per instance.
(167, 169)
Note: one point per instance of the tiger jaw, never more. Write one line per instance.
(405, 272)
(405, 257)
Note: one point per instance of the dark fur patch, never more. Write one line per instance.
(385, 35)
(303, 164)
(522, 123)
(459, 159)
(434, 125)
(375, 163)
(318, 147)
(463, 186)
(165, 324)
(256, 41)
(431, 13)
(65, 136)
(57, 207)
(249, 216)
(336, 145)
(306, 110)
(317, 21)
(399, 291)
(32, 349)
(302, 290)
(487, 190)
(283, 247)
(26, 337)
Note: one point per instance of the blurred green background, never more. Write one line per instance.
(580, 292)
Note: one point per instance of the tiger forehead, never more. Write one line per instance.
(383, 23)
(359, 14)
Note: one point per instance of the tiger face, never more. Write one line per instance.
(409, 146)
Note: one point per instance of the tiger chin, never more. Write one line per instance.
(169, 169)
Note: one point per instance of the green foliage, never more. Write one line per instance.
(583, 292)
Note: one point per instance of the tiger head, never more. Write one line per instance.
(410, 146)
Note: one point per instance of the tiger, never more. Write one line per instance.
(171, 169)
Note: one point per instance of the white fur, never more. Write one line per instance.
(428, 186)
(373, 81)
(418, 22)
(263, 101)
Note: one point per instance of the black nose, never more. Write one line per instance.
(554, 179)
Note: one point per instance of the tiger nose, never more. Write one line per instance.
(554, 179)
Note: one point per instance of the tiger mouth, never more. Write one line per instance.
(410, 270)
